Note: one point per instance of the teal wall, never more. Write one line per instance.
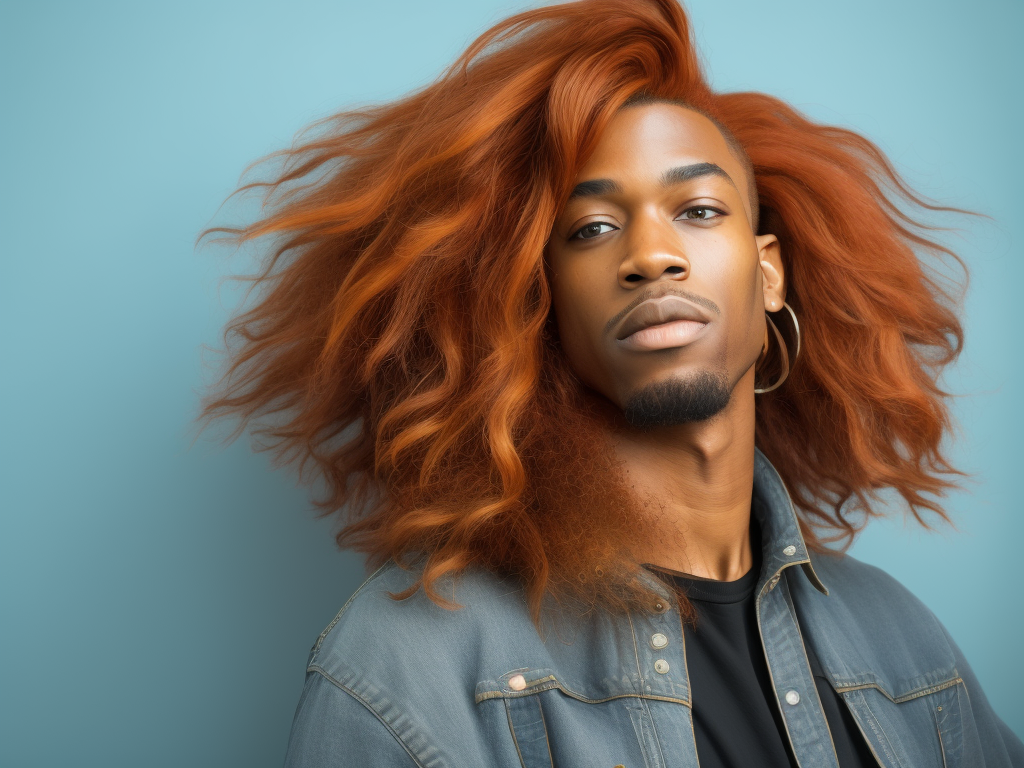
(158, 598)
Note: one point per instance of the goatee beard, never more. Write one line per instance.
(677, 401)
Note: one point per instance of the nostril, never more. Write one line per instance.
(674, 270)
(634, 278)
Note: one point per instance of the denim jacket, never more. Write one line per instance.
(407, 683)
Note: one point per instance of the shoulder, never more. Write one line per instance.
(871, 630)
(863, 587)
(374, 615)
(398, 658)
(869, 597)
(413, 649)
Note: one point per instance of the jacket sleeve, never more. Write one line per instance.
(1001, 745)
(333, 729)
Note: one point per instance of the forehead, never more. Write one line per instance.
(645, 139)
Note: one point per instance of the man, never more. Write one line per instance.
(523, 331)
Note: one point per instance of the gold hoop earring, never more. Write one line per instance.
(783, 349)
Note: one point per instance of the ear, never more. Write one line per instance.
(773, 276)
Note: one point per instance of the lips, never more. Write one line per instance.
(667, 321)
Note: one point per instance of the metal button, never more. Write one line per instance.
(661, 666)
(792, 698)
(517, 682)
(659, 640)
(789, 551)
(660, 607)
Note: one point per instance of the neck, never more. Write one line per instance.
(697, 480)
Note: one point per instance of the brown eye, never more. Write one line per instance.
(701, 213)
(590, 231)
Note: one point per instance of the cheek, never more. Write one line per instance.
(740, 284)
(576, 323)
(570, 318)
(750, 306)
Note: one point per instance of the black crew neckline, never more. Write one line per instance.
(711, 591)
(723, 592)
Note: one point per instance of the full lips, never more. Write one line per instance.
(676, 333)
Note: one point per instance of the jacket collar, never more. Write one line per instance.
(782, 544)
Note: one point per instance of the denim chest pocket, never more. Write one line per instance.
(933, 727)
(547, 724)
(954, 722)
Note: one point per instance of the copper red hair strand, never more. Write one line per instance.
(400, 347)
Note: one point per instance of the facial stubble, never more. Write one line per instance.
(678, 400)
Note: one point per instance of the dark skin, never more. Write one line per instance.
(667, 229)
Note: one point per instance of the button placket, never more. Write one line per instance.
(790, 673)
(659, 646)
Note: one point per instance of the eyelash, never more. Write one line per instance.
(576, 234)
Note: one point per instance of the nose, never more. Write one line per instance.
(653, 250)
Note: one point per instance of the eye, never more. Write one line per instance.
(590, 231)
(701, 213)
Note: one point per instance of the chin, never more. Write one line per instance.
(677, 400)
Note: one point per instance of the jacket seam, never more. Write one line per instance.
(863, 733)
(689, 687)
(638, 730)
(654, 732)
(942, 746)
(371, 577)
(641, 678)
(374, 712)
(512, 730)
(515, 739)
(555, 685)
(547, 736)
(966, 692)
(880, 736)
(636, 650)
(916, 694)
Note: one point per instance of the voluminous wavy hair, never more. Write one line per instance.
(400, 349)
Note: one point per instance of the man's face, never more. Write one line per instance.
(659, 283)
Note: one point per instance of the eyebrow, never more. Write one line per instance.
(595, 188)
(678, 175)
(695, 171)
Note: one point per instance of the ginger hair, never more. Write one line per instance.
(400, 351)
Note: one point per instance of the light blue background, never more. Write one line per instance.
(158, 598)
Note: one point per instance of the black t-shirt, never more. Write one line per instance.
(736, 717)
